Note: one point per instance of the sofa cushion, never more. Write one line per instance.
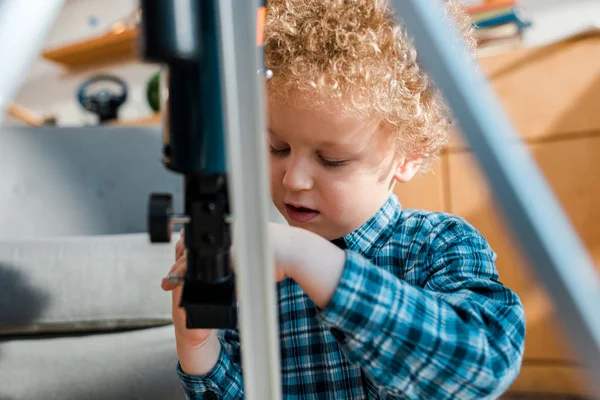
(86, 283)
(139, 364)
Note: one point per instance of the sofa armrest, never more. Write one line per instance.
(89, 283)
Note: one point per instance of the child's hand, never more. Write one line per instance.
(284, 248)
(187, 338)
(280, 241)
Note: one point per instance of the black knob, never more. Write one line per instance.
(160, 209)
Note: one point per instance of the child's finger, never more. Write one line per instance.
(182, 259)
(178, 269)
(179, 246)
(171, 282)
(179, 249)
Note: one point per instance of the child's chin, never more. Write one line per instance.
(311, 227)
(304, 225)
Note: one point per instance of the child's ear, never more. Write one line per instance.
(406, 170)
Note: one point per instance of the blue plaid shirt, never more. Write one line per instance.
(419, 313)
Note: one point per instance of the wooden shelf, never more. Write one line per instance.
(152, 120)
(110, 47)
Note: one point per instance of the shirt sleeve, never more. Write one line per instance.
(459, 335)
(224, 381)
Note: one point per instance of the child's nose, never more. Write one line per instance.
(297, 178)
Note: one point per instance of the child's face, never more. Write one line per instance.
(330, 174)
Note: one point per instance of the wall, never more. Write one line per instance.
(554, 19)
(80, 181)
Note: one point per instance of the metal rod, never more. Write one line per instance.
(248, 171)
(184, 219)
(180, 219)
(538, 222)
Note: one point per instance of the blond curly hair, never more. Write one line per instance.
(357, 54)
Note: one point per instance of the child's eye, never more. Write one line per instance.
(278, 152)
(332, 163)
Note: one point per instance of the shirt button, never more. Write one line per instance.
(339, 335)
(210, 395)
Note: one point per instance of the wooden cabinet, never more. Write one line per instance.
(548, 92)
(552, 96)
(426, 191)
(571, 167)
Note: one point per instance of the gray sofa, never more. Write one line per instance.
(82, 315)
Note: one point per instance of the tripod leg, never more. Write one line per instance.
(247, 158)
(30, 21)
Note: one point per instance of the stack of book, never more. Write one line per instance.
(499, 25)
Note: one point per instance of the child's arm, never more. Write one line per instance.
(224, 379)
(460, 335)
(209, 360)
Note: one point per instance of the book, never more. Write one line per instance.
(514, 15)
(489, 6)
(489, 14)
(497, 32)
(498, 46)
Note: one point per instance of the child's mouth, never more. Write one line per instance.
(300, 214)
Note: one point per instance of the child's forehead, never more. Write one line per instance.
(326, 114)
(321, 128)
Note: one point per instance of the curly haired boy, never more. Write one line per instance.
(375, 301)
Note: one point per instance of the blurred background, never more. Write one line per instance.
(96, 37)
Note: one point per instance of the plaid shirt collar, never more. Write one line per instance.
(373, 234)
